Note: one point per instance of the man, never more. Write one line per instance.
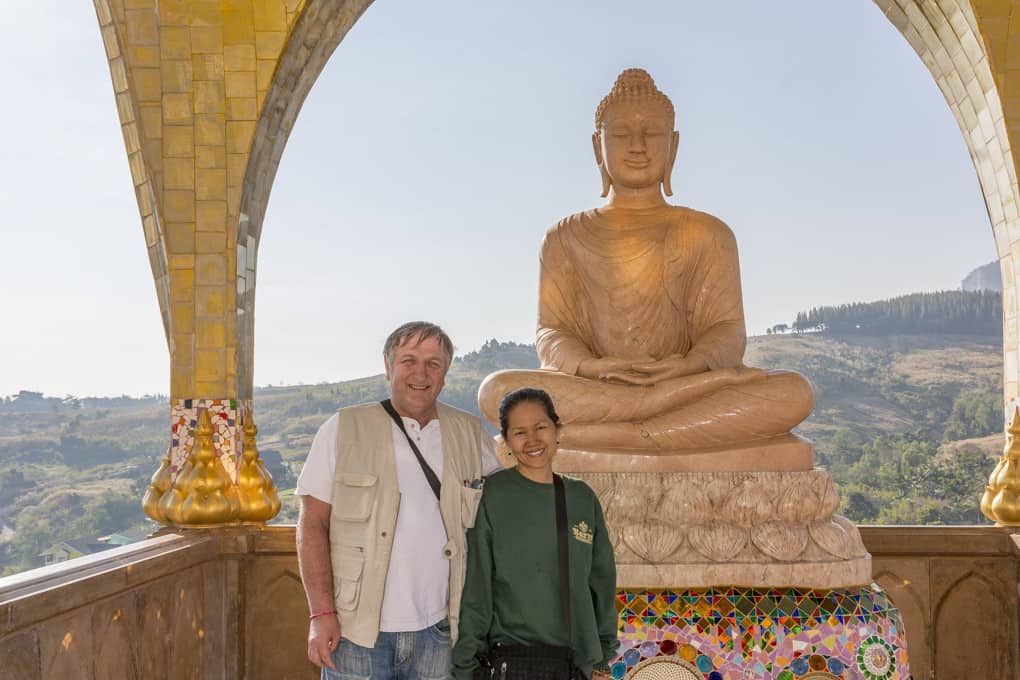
(382, 559)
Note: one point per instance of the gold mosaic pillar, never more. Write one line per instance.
(968, 47)
(207, 92)
(972, 48)
(998, 23)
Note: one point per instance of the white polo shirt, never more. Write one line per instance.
(418, 580)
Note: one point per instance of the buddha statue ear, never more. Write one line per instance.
(674, 142)
(596, 143)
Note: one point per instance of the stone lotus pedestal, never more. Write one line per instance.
(740, 574)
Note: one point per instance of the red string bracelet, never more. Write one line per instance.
(318, 614)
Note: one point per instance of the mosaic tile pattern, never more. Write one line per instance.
(227, 417)
(764, 634)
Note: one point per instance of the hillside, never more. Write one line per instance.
(899, 421)
(880, 385)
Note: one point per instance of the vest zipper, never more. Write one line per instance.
(502, 671)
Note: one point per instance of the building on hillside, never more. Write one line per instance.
(123, 537)
(70, 549)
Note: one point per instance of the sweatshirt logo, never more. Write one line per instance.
(582, 532)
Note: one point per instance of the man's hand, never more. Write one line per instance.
(317, 575)
(601, 675)
(323, 638)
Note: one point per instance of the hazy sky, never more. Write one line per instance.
(444, 138)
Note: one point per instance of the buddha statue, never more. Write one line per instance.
(640, 322)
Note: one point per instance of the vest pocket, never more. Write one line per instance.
(347, 578)
(469, 505)
(356, 496)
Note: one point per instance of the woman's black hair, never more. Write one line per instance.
(532, 394)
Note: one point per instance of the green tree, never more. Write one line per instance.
(975, 414)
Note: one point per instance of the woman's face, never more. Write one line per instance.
(531, 436)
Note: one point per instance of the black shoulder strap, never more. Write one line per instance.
(430, 475)
(563, 551)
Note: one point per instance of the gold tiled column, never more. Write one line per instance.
(199, 84)
(999, 24)
(281, 88)
(954, 39)
(972, 49)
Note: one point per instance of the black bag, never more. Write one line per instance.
(521, 662)
(539, 662)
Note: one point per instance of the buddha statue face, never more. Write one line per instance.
(634, 141)
(635, 145)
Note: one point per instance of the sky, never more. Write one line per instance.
(441, 141)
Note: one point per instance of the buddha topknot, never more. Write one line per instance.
(633, 84)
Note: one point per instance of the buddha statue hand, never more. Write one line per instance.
(608, 368)
(653, 372)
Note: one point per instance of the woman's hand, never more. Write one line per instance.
(601, 675)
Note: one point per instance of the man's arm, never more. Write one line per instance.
(317, 576)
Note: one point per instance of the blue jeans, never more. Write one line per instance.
(412, 655)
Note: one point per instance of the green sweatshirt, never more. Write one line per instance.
(512, 592)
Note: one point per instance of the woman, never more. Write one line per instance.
(512, 596)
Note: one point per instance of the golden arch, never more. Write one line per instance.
(208, 92)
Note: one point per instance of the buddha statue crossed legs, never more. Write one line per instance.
(641, 325)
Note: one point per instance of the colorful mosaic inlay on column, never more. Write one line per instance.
(764, 634)
(227, 417)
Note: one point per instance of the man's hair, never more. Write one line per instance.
(423, 330)
(528, 394)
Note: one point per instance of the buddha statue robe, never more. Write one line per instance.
(645, 285)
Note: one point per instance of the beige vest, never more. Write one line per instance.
(366, 499)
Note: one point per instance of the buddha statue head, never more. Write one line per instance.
(634, 141)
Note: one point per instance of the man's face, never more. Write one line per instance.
(416, 373)
(635, 143)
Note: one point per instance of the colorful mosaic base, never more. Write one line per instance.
(228, 430)
(765, 634)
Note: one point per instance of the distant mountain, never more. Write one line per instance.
(986, 277)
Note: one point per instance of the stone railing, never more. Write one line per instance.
(229, 604)
(203, 604)
(956, 588)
